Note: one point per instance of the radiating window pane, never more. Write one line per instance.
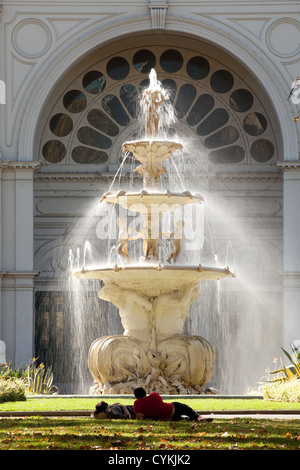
(74, 101)
(54, 151)
(241, 100)
(113, 107)
(186, 96)
(222, 81)
(198, 68)
(262, 150)
(144, 61)
(218, 118)
(118, 68)
(255, 124)
(201, 108)
(89, 156)
(93, 138)
(225, 136)
(94, 82)
(101, 121)
(171, 61)
(130, 98)
(61, 125)
(170, 86)
(234, 154)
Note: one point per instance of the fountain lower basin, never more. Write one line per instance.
(153, 302)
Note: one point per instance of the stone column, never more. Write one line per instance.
(291, 252)
(17, 255)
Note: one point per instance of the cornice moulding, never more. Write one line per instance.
(19, 165)
(106, 177)
(289, 165)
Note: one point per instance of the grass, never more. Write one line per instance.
(40, 433)
(58, 403)
(84, 433)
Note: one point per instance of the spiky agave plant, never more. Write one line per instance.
(291, 371)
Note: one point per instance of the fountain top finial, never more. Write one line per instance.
(152, 98)
(152, 151)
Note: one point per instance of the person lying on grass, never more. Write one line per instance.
(153, 407)
(114, 411)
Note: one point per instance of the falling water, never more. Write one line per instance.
(226, 311)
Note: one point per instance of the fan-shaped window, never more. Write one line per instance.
(209, 98)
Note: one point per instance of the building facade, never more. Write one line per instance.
(71, 74)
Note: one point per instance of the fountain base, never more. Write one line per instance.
(153, 352)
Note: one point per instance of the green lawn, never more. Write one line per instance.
(46, 433)
(84, 433)
(88, 403)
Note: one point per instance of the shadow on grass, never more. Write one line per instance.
(39, 433)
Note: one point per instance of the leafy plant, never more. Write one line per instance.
(40, 379)
(291, 371)
(8, 372)
(12, 389)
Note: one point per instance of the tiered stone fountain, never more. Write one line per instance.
(153, 295)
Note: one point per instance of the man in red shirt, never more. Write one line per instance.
(152, 406)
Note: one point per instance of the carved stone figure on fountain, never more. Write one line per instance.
(123, 238)
(177, 235)
(152, 99)
(135, 312)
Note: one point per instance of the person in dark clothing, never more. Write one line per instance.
(152, 406)
(114, 411)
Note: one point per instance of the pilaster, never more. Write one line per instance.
(17, 274)
(291, 251)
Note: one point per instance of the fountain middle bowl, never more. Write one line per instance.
(152, 280)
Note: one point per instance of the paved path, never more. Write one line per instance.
(284, 414)
(260, 415)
